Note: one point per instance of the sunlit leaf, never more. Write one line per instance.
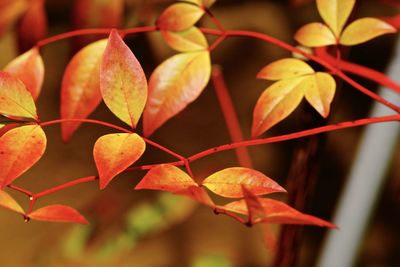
(10, 11)
(314, 35)
(179, 17)
(365, 29)
(80, 90)
(29, 68)
(20, 148)
(174, 84)
(254, 206)
(113, 153)
(58, 213)
(123, 83)
(15, 99)
(276, 103)
(228, 182)
(189, 40)
(6, 201)
(335, 13)
(198, 194)
(284, 69)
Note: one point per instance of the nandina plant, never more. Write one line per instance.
(107, 70)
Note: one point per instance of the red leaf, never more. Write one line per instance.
(254, 207)
(179, 17)
(58, 213)
(20, 148)
(6, 201)
(113, 153)
(123, 83)
(198, 194)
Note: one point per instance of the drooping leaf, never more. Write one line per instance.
(113, 153)
(335, 13)
(20, 148)
(15, 99)
(179, 17)
(10, 11)
(58, 213)
(284, 69)
(198, 194)
(314, 35)
(254, 206)
(29, 68)
(228, 182)
(123, 83)
(80, 90)
(174, 84)
(276, 103)
(6, 201)
(166, 177)
(189, 40)
(365, 29)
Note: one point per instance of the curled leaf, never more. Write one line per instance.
(189, 40)
(6, 201)
(58, 213)
(284, 69)
(179, 17)
(314, 35)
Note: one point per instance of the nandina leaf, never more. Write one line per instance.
(198, 194)
(189, 40)
(113, 153)
(123, 83)
(254, 206)
(365, 29)
(58, 213)
(29, 68)
(174, 84)
(20, 148)
(80, 90)
(284, 69)
(166, 177)
(276, 103)
(393, 20)
(314, 35)
(6, 201)
(10, 11)
(15, 99)
(228, 182)
(179, 17)
(335, 13)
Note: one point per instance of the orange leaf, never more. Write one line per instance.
(20, 148)
(179, 17)
(58, 213)
(10, 10)
(15, 99)
(189, 40)
(314, 35)
(254, 207)
(335, 13)
(80, 90)
(198, 194)
(365, 29)
(276, 103)
(174, 84)
(228, 182)
(284, 69)
(113, 153)
(6, 201)
(123, 83)
(166, 177)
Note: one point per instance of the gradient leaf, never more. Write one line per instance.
(189, 40)
(179, 17)
(123, 83)
(198, 194)
(58, 213)
(254, 207)
(113, 153)
(6, 201)
(284, 69)
(314, 35)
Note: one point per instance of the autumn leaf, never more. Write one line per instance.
(80, 89)
(123, 83)
(179, 17)
(228, 182)
(315, 35)
(20, 148)
(58, 213)
(6, 201)
(284, 69)
(29, 68)
(189, 40)
(254, 206)
(197, 194)
(113, 153)
(174, 84)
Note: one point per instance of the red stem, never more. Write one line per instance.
(66, 185)
(21, 190)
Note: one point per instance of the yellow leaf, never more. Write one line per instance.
(189, 40)
(363, 30)
(6, 201)
(314, 35)
(284, 69)
(335, 13)
(179, 17)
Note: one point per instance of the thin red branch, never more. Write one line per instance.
(65, 185)
(149, 166)
(21, 190)
(110, 125)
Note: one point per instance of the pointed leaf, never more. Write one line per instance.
(179, 17)
(20, 148)
(284, 69)
(80, 90)
(363, 30)
(189, 40)
(198, 194)
(113, 153)
(276, 103)
(29, 68)
(314, 35)
(123, 83)
(335, 13)
(15, 99)
(254, 206)
(228, 182)
(174, 84)
(166, 177)
(6, 201)
(58, 213)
